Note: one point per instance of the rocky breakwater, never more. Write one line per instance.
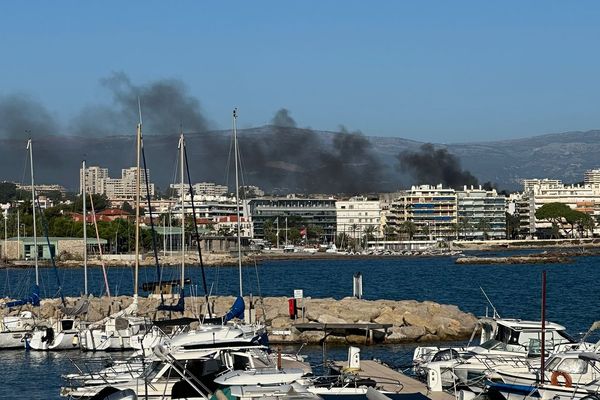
(542, 258)
(411, 321)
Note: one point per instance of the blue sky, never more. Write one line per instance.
(442, 71)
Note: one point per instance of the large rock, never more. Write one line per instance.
(330, 319)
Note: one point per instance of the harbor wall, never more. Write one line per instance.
(410, 320)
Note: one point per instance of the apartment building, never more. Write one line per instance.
(432, 210)
(124, 188)
(584, 198)
(358, 215)
(320, 212)
(481, 214)
(93, 178)
(202, 188)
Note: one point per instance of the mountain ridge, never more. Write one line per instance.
(505, 162)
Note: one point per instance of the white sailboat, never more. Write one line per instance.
(63, 333)
(115, 332)
(14, 329)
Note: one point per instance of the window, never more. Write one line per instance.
(573, 366)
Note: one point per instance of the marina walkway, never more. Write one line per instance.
(394, 381)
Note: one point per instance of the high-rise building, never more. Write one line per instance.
(124, 188)
(432, 210)
(93, 179)
(481, 214)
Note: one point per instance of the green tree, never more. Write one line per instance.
(513, 225)
(389, 232)
(8, 192)
(409, 229)
(100, 203)
(561, 216)
(484, 226)
(127, 208)
(314, 233)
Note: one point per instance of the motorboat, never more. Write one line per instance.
(504, 343)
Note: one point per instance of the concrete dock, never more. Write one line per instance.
(393, 381)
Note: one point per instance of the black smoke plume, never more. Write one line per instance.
(165, 104)
(283, 119)
(301, 160)
(21, 116)
(281, 158)
(429, 165)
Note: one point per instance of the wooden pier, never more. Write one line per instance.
(393, 381)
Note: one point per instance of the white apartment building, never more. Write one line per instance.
(202, 188)
(584, 198)
(42, 188)
(528, 184)
(93, 177)
(433, 210)
(592, 177)
(481, 214)
(124, 188)
(209, 207)
(356, 215)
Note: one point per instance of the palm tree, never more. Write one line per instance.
(484, 226)
(409, 228)
(368, 234)
(354, 228)
(389, 231)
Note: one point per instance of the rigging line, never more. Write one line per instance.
(196, 233)
(228, 165)
(158, 268)
(244, 204)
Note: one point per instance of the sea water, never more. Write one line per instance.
(515, 290)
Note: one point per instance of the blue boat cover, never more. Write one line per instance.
(236, 311)
(34, 299)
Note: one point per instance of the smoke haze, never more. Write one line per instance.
(283, 119)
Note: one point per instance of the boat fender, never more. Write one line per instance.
(566, 377)
(75, 342)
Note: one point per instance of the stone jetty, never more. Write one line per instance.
(410, 320)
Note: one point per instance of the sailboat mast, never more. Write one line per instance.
(182, 192)
(237, 198)
(35, 247)
(83, 194)
(137, 210)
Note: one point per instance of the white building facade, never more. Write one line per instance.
(357, 216)
(481, 214)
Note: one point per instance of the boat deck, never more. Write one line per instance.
(394, 381)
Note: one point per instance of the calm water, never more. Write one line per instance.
(573, 291)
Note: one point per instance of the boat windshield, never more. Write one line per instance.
(566, 336)
(493, 344)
